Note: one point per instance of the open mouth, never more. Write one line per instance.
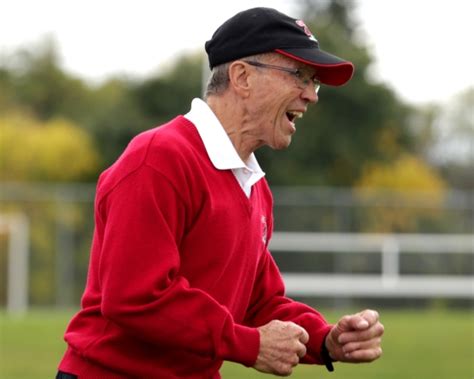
(293, 115)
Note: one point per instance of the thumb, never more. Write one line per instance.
(299, 332)
(304, 336)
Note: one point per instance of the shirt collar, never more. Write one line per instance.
(218, 145)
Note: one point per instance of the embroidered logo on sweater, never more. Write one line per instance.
(264, 230)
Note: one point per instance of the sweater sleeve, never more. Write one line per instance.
(270, 303)
(142, 220)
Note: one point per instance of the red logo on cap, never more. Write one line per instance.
(306, 30)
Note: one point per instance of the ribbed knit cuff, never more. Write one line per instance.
(316, 341)
(241, 347)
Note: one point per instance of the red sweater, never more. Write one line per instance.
(180, 275)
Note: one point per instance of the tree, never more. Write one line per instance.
(115, 118)
(169, 94)
(33, 79)
(452, 148)
(32, 150)
(415, 193)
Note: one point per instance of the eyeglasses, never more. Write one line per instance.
(302, 79)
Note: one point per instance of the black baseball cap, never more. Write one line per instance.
(262, 30)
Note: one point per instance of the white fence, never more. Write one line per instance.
(390, 283)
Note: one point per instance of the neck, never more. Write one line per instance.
(232, 116)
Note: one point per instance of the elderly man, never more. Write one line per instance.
(180, 275)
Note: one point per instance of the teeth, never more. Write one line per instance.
(296, 114)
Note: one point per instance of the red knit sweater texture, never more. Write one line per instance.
(180, 275)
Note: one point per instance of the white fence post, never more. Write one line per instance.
(17, 225)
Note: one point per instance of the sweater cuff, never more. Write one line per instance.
(315, 344)
(242, 346)
(326, 357)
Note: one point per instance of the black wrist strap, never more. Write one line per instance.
(326, 358)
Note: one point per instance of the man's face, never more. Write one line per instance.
(278, 99)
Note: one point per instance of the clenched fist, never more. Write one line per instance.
(356, 338)
(282, 344)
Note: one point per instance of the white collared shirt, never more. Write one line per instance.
(220, 149)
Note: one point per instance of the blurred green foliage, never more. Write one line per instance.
(350, 128)
(335, 140)
(56, 150)
(404, 176)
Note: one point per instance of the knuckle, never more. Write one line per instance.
(381, 328)
(289, 324)
(293, 350)
(346, 318)
(288, 370)
(375, 314)
(376, 353)
(351, 346)
(302, 351)
(289, 327)
(295, 328)
(277, 323)
(294, 360)
(284, 370)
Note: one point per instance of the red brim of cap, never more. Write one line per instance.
(331, 70)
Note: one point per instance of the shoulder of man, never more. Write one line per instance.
(170, 149)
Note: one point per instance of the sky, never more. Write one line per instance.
(421, 47)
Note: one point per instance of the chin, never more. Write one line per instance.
(282, 145)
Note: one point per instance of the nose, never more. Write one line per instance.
(309, 94)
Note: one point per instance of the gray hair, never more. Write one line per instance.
(219, 79)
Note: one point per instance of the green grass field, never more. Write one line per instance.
(432, 344)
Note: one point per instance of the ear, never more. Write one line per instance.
(239, 75)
